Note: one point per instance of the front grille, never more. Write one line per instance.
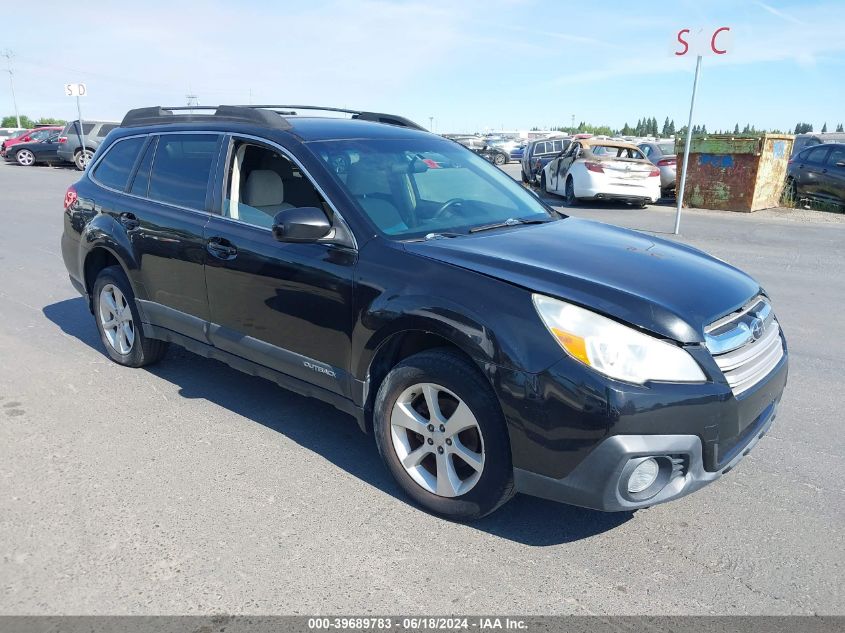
(746, 344)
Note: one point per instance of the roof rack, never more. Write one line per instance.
(363, 115)
(268, 115)
(158, 115)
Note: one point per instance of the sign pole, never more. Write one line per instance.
(82, 131)
(680, 195)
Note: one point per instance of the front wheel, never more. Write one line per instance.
(500, 159)
(25, 158)
(442, 435)
(119, 322)
(82, 158)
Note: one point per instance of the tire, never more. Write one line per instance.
(125, 343)
(571, 200)
(543, 182)
(462, 492)
(499, 159)
(82, 158)
(25, 158)
(524, 177)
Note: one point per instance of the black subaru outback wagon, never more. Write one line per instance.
(490, 344)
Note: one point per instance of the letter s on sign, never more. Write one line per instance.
(682, 41)
(713, 40)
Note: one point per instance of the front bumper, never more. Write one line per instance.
(599, 482)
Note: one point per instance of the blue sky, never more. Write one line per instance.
(470, 65)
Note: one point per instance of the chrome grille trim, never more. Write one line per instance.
(743, 359)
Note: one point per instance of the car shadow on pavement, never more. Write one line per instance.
(333, 435)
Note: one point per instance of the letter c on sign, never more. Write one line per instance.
(713, 40)
(682, 41)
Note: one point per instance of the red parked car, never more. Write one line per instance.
(36, 134)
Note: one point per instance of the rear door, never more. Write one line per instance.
(832, 180)
(162, 215)
(810, 165)
(287, 306)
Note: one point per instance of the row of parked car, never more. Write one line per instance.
(586, 167)
(51, 144)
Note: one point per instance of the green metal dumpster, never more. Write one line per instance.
(735, 173)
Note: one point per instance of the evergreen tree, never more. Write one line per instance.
(824, 128)
(839, 128)
(665, 130)
(736, 128)
(672, 127)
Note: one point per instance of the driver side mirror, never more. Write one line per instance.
(301, 224)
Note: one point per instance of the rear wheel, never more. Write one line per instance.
(524, 177)
(499, 159)
(119, 323)
(25, 158)
(571, 200)
(442, 435)
(82, 158)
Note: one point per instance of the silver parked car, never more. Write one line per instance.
(662, 154)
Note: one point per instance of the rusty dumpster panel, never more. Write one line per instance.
(735, 173)
(771, 174)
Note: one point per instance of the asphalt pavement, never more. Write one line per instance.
(190, 488)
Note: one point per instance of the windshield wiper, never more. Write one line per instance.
(508, 222)
(435, 236)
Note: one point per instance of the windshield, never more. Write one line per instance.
(412, 187)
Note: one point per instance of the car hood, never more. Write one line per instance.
(667, 288)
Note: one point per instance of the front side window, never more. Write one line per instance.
(540, 148)
(263, 182)
(116, 166)
(412, 187)
(181, 169)
(837, 155)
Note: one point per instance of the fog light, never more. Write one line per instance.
(644, 475)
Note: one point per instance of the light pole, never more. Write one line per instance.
(431, 124)
(8, 55)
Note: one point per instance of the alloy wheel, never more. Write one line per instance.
(437, 439)
(116, 319)
(25, 157)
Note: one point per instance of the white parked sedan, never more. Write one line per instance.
(599, 169)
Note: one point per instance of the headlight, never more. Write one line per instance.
(613, 349)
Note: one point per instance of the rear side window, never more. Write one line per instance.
(73, 128)
(816, 155)
(116, 166)
(106, 128)
(181, 169)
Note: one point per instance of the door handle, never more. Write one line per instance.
(128, 220)
(221, 248)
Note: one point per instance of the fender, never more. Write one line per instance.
(519, 342)
(100, 233)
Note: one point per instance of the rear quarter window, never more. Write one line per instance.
(115, 168)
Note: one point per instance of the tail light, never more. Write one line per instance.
(654, 172)
(596, 167)
(62, 139)
(665, 162)
(70, 197)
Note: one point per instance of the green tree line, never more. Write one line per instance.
(12, 121)
(649, 127)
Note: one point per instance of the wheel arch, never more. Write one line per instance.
(403, 343)
(95, 260)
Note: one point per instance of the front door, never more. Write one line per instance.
(287, 306)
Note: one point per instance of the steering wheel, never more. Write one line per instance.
(446, 206)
